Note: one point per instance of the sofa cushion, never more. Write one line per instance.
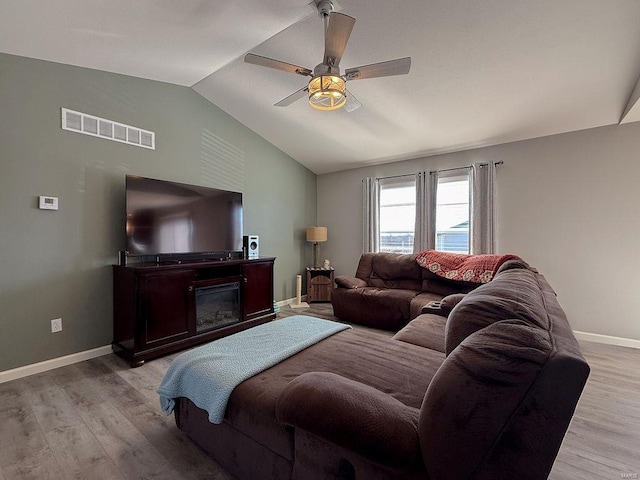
(422, 300)
(354, 416)
(365, 265)
(383, 308)
(390, 270)
(512, 294)
(426, 330)
(473, 396)
(392, 306)
(393, 265)
(443, 286)
(398, 283)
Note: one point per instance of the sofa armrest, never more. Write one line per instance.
(344, 281)
(450, 301)
(352, 415)
(444, 306)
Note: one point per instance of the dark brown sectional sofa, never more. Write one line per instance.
(388, 290)
(486, 392)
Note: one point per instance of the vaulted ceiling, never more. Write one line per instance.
(483, 72)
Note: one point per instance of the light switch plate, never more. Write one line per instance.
(48, 203)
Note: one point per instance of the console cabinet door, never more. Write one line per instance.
(319, 284)
(167, 305)
(257, 292)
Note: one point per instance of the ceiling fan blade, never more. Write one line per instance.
(400, 66)
(277, 64)
(297, 95)
(352, 102)
(337, 31)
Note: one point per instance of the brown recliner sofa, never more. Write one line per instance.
(388, 290)
(492, 399)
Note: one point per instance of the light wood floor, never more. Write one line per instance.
(101, 419)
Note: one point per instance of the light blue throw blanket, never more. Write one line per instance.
(207, 375)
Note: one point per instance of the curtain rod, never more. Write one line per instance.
(397, 176)
(453, 169)
(482, 165)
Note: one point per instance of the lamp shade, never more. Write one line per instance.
(316, 234)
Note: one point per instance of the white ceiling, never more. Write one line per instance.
(483, 72)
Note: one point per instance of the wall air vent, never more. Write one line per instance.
(108, 129)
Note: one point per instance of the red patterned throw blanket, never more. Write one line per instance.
(459, 266)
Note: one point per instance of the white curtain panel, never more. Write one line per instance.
(432, 200)
(370, 208)
(425, 228)
(483, 235)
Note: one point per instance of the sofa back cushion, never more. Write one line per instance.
(501, 402)
(394, 270)
(390, 270)
(474, 393)
(512, 294)
(443, 286)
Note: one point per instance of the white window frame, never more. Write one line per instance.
(450, 177)
(390, 183)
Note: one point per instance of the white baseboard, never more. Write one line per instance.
(287, 302)
(597, 338)
(40, 367)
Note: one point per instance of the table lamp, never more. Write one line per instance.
(316, 235)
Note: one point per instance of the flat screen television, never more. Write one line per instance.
(166, 217)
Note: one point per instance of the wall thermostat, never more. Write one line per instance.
(48, 203)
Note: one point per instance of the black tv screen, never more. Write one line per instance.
(174, 218)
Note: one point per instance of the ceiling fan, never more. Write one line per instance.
(327, 88)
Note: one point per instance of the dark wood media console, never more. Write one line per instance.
(162, 308)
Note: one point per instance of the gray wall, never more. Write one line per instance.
(568, 204)
(58, 264)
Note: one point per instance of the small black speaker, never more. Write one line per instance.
(251, 246)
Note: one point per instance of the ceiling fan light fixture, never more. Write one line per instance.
(327, 92)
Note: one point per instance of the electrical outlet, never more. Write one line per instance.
(56, 325)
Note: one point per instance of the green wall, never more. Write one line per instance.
(58, 263)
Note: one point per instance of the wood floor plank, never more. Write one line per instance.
(125, 444)
(35, 464)
(80, 455)
(13, 394)
(185, 457)
(159, 429)
(24, 450)
(603, 439)
(84, 392)
(111, 386)
(20, 435)
(103, 414)
(75, 448)
(604, 457)
(585, 470)
(50, 405)
(145, 379)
